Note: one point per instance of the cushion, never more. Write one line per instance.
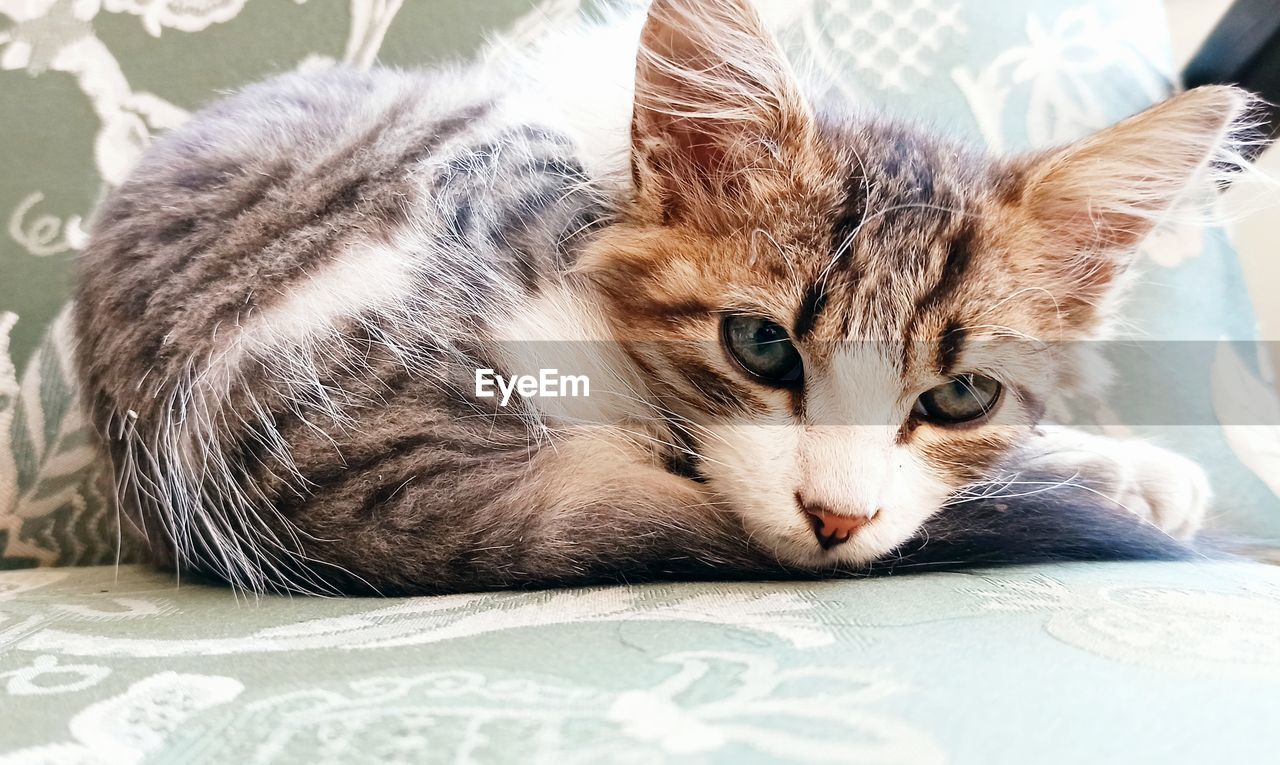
(84, 87)
(1150, 663)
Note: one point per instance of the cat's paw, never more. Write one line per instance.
(1160, 486)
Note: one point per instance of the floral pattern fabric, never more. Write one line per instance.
(1165, 663)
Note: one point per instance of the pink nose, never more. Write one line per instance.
(832, 528)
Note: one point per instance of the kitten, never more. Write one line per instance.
(786, 316)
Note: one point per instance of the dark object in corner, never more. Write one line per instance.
(1243, 49)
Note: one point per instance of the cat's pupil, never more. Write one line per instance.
(769, 340)
(764, 349)
(963, 398)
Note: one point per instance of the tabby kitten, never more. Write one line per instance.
(289, 314)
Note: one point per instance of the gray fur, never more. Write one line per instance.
(380, 471)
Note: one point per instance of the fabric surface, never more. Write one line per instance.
(1151, 663)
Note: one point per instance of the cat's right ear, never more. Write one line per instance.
(717, 110)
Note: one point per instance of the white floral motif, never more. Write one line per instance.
(886, 42)
(761, 696)
(183, 15)
(126, 608)
(23, 581)
(1176, 630)
(1057, 71)
(58, 35)
(715, 702)
(1033, 593)
(46, 234)
(370, 20)
(59, 453)
(447, 712)
(19, 585)
(1180, 631)
(421, 621)
(34, 680)
(123, 729)
(10, 390)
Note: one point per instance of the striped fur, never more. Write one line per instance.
(282, 311)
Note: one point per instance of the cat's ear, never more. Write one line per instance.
(1107, 192)
(716, 106)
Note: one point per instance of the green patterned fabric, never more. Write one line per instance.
(1125, 663)
(1158, 663)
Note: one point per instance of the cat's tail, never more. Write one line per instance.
(1069, 523)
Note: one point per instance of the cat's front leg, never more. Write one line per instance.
(1158, 485)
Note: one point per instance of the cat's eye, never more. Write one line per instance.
(960, 399)
(764, 349)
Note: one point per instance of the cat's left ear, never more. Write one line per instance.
(717, 109)
(1100, 197)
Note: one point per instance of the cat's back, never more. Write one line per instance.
(226, 211)
(313, 199)
(306, 275)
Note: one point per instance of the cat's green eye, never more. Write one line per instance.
(960, 399)
(764, 349)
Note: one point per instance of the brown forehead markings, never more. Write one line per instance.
(640, 289)
(811, 307)
(952, 273)
(908, 164)
(682, 309)
(843, 271)
(1009, 188)
(950, 343)
(959, 256)
(852, 212)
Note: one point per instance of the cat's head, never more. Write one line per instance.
(823, 297)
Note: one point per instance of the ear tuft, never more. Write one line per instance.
(1108, 191)
(714, 98)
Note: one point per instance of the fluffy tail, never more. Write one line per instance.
(1068, 524)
